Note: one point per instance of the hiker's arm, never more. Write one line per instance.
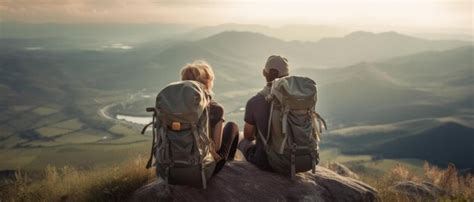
(249, 131)
(249, 119)
(217, 134)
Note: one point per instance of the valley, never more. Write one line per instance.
(381, 101)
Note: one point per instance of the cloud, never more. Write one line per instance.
(434, 13)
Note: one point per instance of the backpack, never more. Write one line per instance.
(181, 136)
(294, 127)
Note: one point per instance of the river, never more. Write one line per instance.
(134, 119)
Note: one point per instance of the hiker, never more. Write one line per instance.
(226, 137)
(256, 118)
(282, 120)
(190, 143)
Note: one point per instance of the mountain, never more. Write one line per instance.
(397, 89)
(133, 32)
(437, 140)
(286, 32)
(434, 68)
(363, 94)
(368, 92)
(29, 77)
(356, 47)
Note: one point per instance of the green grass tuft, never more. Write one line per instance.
(115, 183)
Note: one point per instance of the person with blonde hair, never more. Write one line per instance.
(226, 137)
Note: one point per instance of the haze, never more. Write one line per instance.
(365, 14)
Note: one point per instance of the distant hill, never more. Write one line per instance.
(131, 32)
(356, 47)
(31, 77)
(368, 92)
(416, 86)
(439, 141)
(434, 68)
(286, 32)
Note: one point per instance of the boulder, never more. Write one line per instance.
(342, 170)
(241, 181)
(417, 190)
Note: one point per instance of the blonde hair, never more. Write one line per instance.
(199, 71)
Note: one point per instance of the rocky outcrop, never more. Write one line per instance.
(342, 170)
(241, 181)
(418, 190)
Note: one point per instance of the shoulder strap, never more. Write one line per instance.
(265, 139)
(284, 129)
(153, 145)
(266, 92)
(322, 120)
(146, 126)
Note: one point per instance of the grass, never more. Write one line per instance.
(112, 183)
(76, 155)
(71, 124)
(43, 111)
(385, 165)
(8, 163)
(10, 142)
(456, 187)
(118, 182)
(333, 155)
(78, 137)
(122, 129)
(50, 131)
(6, 130)
(20, 108)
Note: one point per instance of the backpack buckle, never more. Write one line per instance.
(176, 126)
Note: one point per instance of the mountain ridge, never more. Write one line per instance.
(331, 52)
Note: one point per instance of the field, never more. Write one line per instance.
(61, 138)
(61, 135)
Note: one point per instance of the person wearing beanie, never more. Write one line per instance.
(256, 114)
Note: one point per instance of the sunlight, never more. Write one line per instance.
(407, 13)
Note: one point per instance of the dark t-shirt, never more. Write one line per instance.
(256, 113)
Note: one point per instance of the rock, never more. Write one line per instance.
(342, 170)
(241, 181)
(418, 190)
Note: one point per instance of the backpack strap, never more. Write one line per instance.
(293, 161)
(284, 129)
(144, 128)
(208, 138)
(269, 125)
(266, 92)
(203, 177)
(265, 143)
(322, 121)
(207, 149)
(153, 145)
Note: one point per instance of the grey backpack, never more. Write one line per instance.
(294, 128)
(181, 136)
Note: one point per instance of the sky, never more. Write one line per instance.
(456, 14)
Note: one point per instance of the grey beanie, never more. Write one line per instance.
(279, 63)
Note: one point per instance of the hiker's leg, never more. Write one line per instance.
(230, 134)
(247, 147)
(233, 148)
(230, 137)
